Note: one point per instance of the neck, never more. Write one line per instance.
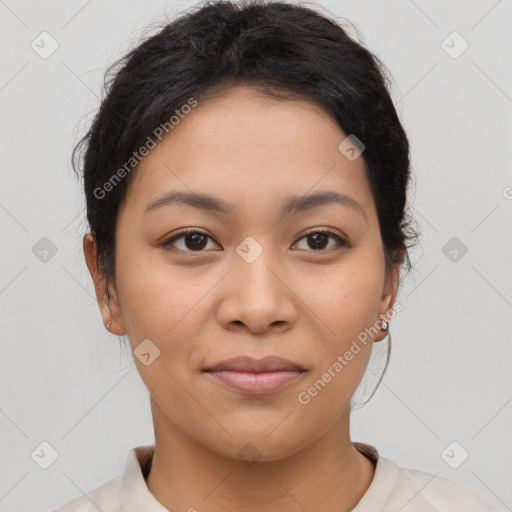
(187, 475)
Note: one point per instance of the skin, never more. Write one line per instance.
(200, 308)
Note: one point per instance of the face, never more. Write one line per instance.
(251, 279)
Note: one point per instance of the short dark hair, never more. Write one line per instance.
(284, 50)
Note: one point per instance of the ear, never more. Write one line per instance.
(388, 299)
(109, 308)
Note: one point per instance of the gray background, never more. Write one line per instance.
(65, 380)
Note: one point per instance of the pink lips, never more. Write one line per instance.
(256, 377)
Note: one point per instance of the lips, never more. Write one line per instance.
(251, 365)
(256, 376)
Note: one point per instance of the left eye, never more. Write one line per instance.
(195, 241)
(320, 238)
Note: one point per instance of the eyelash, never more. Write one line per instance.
(167, 243)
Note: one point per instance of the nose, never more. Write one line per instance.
(258, 296)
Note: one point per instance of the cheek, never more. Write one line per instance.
(155, 295)
(346, 306)
(167, 306)
(160, 306)
(347, 299)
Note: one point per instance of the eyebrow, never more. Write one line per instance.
(291, 204)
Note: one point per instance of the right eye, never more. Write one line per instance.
(194, 241)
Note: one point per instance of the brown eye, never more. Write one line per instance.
(319, 240)
(196, 241)
(193, 241)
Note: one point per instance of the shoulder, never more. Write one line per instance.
(104, 498)
(128, 488)
(420, 491)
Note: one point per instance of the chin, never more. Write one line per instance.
(257, 446)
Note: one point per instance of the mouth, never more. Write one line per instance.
(256, 377)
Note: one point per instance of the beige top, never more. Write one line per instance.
(392, 489)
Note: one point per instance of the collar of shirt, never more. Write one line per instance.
(135, 496)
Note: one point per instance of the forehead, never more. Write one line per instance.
(248, 147)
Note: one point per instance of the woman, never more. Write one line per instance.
(246, 182)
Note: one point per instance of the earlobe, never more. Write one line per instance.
(383, 326)
(388, 301)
